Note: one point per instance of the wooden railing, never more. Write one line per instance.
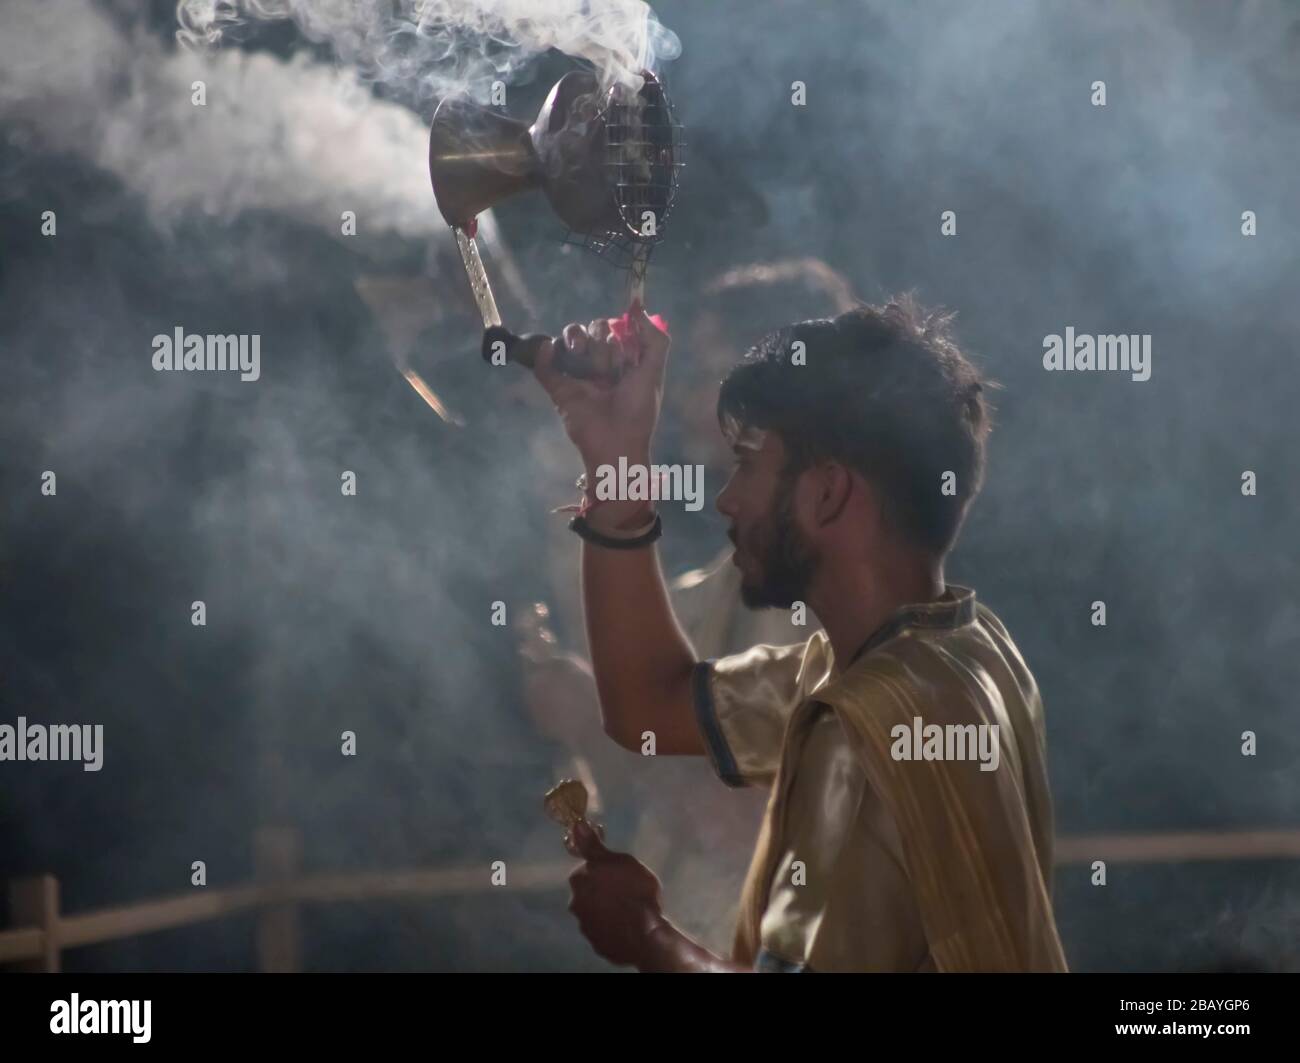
(42, 931)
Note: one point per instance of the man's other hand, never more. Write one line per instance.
(616, 899)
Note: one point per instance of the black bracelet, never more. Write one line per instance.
(587, 532)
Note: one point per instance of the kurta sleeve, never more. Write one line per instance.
(743, 703)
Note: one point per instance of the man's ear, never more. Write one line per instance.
(834, 486)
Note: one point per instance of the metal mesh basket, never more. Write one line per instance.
(644, 152)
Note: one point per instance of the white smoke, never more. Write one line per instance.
(307, 139)
(432, 48)
(292, 136)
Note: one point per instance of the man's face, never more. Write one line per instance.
(776, 561)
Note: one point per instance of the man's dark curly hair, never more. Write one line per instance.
(886, 391)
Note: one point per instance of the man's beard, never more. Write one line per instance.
(785, 561)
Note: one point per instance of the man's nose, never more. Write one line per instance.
(725, 501)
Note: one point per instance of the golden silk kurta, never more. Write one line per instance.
(870, 863)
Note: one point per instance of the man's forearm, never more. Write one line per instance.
(640, 658)
(669, 951)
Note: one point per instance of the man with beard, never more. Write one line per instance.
(859, 444)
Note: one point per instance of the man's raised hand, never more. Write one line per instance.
(613, 417)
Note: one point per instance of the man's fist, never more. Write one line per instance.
(615, 416)
(616, 899)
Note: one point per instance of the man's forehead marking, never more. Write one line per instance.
(749, 439)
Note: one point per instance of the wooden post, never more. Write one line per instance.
(34, 902)
(276, 855)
